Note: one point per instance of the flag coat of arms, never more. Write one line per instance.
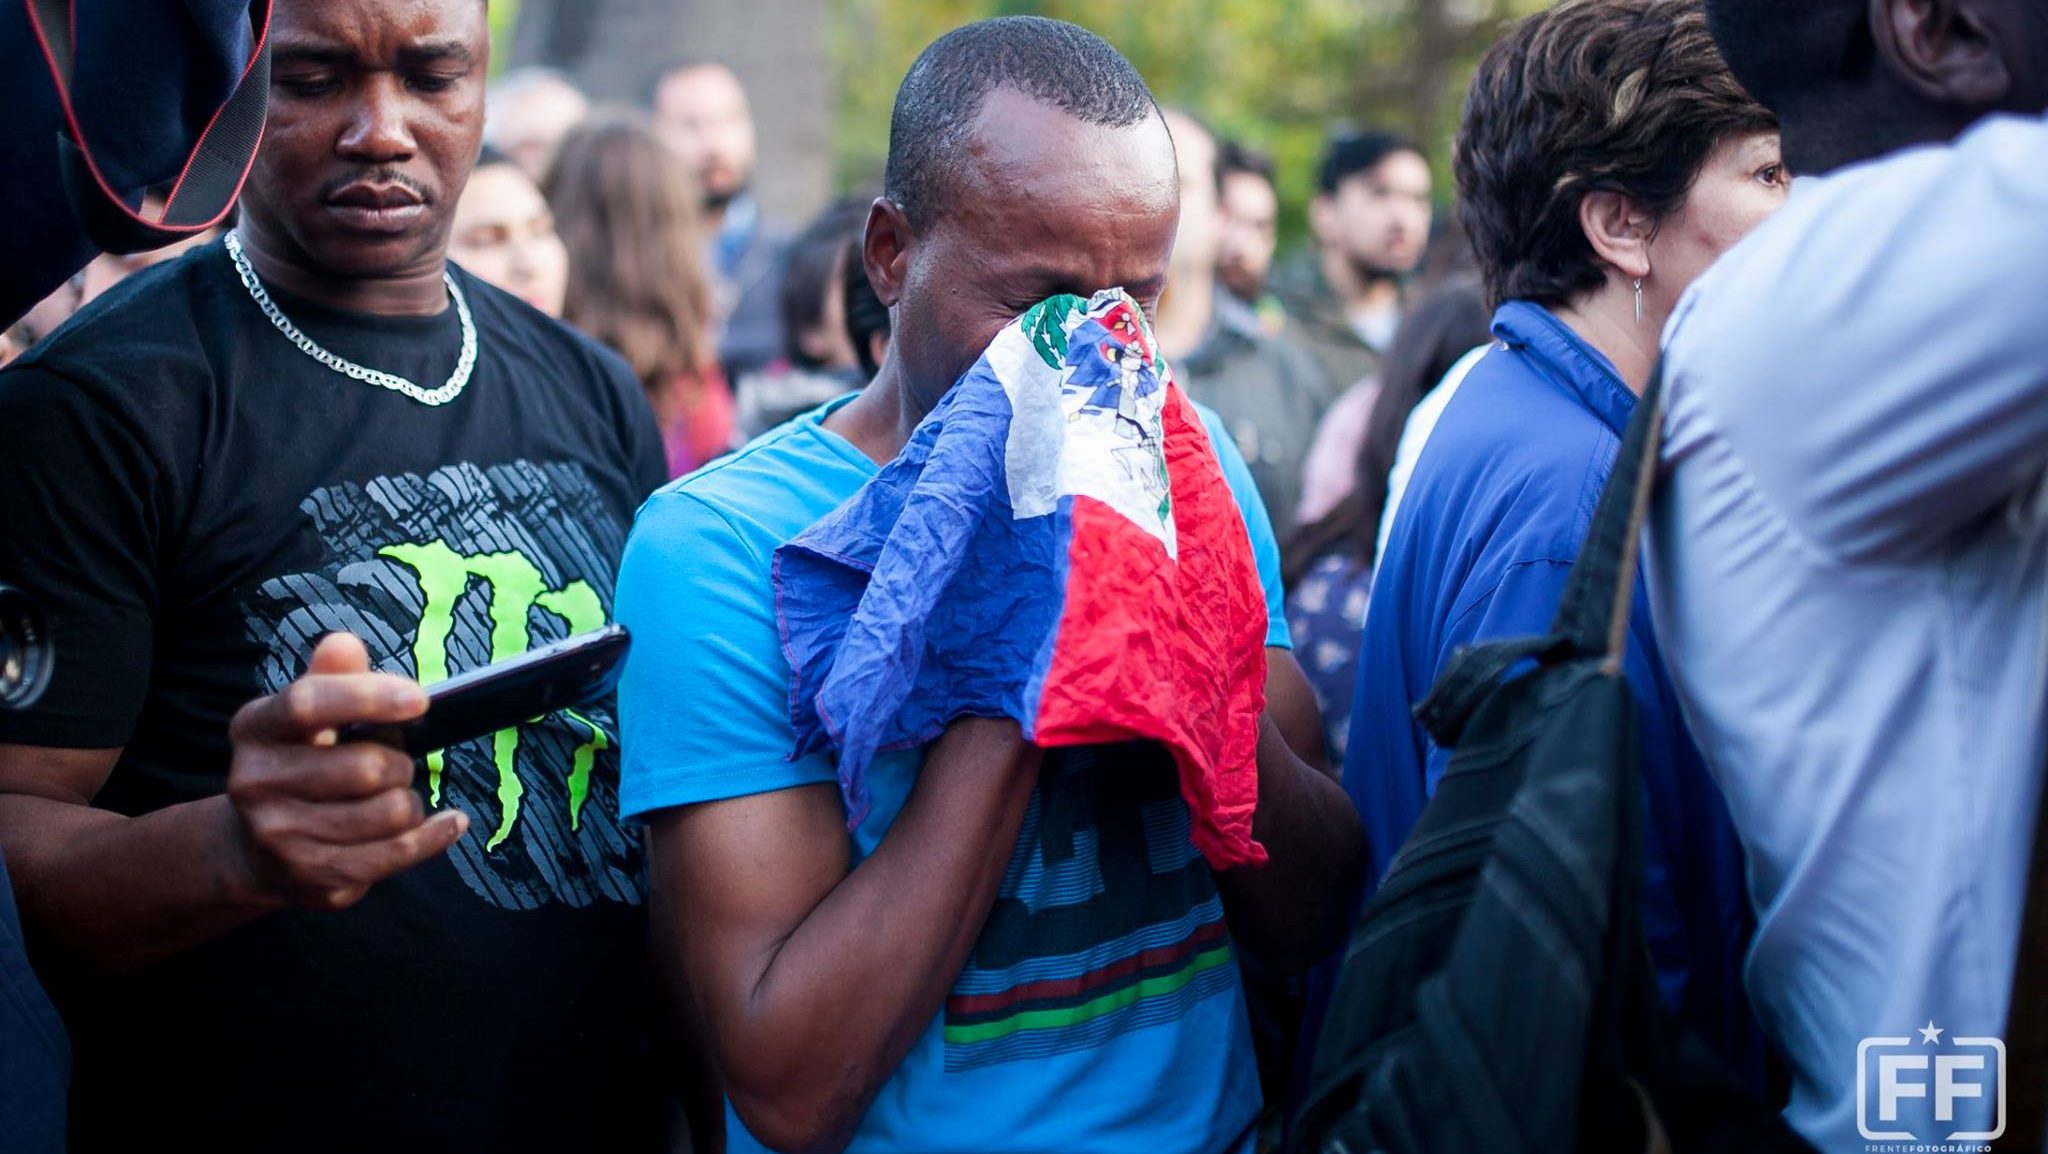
(1056, 544)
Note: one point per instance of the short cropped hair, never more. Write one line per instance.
(1051, 61)
(1233, 157)
(1627, 96)
(1789, 55)
(1356, 152)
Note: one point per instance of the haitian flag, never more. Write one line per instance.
(1056, 544)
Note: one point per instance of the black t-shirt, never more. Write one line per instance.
(196, 502)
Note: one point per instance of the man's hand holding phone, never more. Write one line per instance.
(321, 822)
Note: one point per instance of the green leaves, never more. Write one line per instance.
(1278, 74)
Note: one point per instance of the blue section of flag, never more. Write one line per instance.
(889, 631)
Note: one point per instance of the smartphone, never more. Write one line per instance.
(570, 673)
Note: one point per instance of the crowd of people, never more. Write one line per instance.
(478, 366)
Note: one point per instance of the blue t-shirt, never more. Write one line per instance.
(1102, 1007)
(1501, 500)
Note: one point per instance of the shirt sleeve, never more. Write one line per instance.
(704, 702)
(1258, 525)
(1875, 356)
(79, 529)
(646, 459)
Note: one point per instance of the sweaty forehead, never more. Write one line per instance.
(380, 30)
(1051, 186)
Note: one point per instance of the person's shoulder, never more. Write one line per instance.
(499, 312)
(1511, 462)
(1219, 436)
(1284, 360)
(766, 492)
(140, 352)
(1507, 397)
(156, 317)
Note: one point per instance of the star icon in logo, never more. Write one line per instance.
(1931, 1033)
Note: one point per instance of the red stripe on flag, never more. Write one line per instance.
(1169, 649)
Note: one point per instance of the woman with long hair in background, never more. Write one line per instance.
(627, 208)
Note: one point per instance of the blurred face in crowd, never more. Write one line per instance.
(1195, 242)
(1251, 230)
(1044, 203)
(1742, 182)
(505, 234)
(1378, 218)
(532, 122)
(826, 342)
(376, 115)
(702, 113)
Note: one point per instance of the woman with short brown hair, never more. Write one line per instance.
(1606, 158)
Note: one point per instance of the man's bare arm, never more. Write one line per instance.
(813, 981)
(304, 822)
(1291, 912)
(1291, 703)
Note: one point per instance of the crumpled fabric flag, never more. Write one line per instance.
(1056, 544)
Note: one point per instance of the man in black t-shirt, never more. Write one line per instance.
(261, 939)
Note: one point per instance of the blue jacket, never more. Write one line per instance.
(1500, 502)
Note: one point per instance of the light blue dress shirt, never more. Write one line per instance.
(1849, 569)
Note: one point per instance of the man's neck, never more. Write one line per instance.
(411, 292)
(880, 420)
(1185, 312)
(1361, 294)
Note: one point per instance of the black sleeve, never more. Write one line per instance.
(646, 457)
(650, 457)
(78, 534)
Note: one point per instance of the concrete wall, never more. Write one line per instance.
(778, 48)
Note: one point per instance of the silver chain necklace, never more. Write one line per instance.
(397, 384)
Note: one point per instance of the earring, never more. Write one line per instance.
(1639, 300)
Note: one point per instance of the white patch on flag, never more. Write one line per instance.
(1069, 440)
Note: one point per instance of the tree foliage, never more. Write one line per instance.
(1277, 74)
(503, 15)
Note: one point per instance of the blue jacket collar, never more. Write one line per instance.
(1583, 371)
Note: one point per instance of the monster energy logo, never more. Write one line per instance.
(491, 560)
(516, 588)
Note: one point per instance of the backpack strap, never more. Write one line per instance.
(1601, 589)
(1472, 674)
(213, 173)
(1592, 617)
